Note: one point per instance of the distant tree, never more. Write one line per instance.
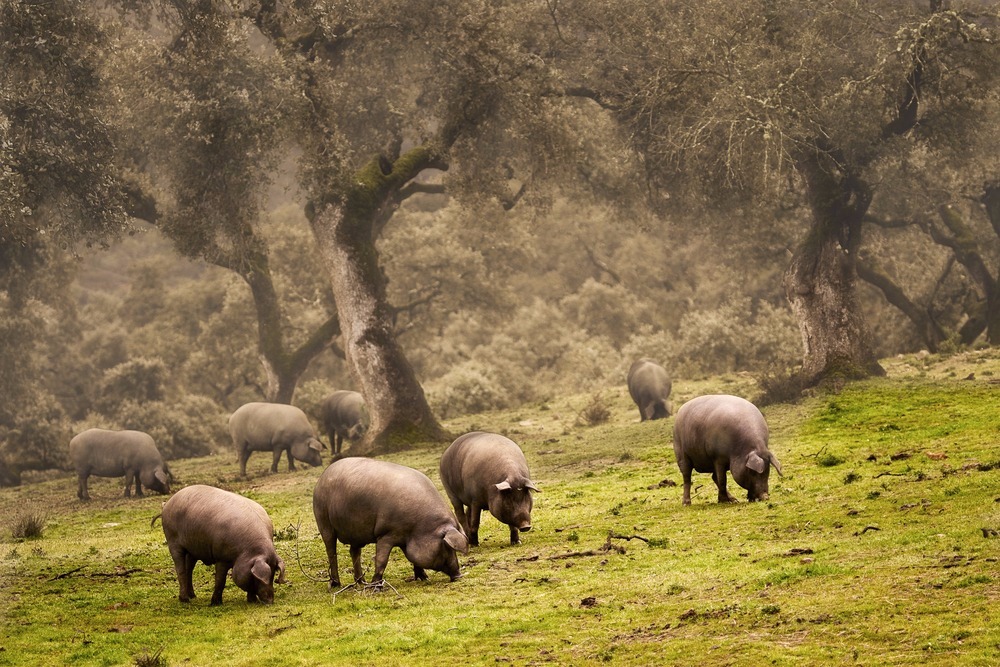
(774, 103)
(208, 124)
(60, 186)
(461, 88)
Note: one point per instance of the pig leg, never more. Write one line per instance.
(419, 574)
(359, 570)
(138, 486)
(244, 457)
(129, 477)
(686, 468)
(291, 462)
(277, 457)
(184, 564)
(515, 535)
(460, 512)
(81, 487)
(221, 570)
(330, 541)
(382, 549)
(475, 516)
(719, 477)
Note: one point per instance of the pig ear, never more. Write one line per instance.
(281, 570)
(161, 477)
(531, 485)
(755, 463)
(316, 444)
(504, 485)
(774, 461)
(261, 570)
(456, 540)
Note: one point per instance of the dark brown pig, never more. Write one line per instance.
(344, 417)
(361, 501)
(717, 433)
(105, 453)
(275, 428)
(203, 523)
(488, 471)
(649, 386)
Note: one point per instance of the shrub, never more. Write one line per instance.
(28, 527)
(138, 380)
(38, 437)
(190, 426)
(466, 389)
(595, 412)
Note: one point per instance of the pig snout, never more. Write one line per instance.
(524, 527)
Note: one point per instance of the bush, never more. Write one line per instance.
(190, 426)
(39, 436)
(138, 380)
(595, 412)
(28, 527)
(466, 389)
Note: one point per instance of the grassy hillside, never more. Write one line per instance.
(879, 546)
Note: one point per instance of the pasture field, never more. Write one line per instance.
(879, 546)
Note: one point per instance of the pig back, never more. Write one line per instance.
(342, 410)
(111, 453)
(262, 426)
(363, 499)
(718, 426)
(648, 385)
(216, 525)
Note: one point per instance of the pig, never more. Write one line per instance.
(649, 385)
(716, 433)
(362, 501)
(104, 453)
(344, 417)
(276, 428)
(224, 529)
(485, 470)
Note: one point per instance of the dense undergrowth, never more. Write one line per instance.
(879, 546)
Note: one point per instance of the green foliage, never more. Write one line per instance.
(38, 436)
(190, 425)
(136, 381)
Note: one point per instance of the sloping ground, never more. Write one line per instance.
(878, 546)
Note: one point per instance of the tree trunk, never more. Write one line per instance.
(991, 202)
(396, 403)
(820, 282)
(282, 368)
(930, 332)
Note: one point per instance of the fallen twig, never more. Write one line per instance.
(67, 574)
(616, 536)
(890, 474)
(123, 573)
(370, 587)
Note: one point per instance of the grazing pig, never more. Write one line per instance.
(344, 417)
(649, 385)
(276, 428)
(104, 453)
(362, 501)
(225, 529)
(717, 433)
(485, 470)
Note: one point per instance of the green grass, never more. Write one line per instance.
(898, 567)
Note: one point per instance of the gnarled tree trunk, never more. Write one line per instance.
(820, 282)
(344, 231)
